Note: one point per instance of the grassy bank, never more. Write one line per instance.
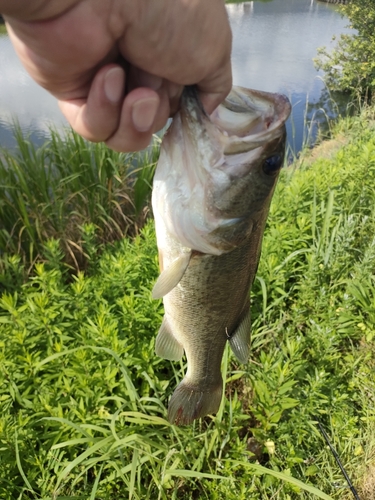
(73, 191)
(83, 396)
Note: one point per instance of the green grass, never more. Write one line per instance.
(73, 191)
(83, 396)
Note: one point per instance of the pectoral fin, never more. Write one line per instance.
(166, 345)
(171, 276)
(240, 340)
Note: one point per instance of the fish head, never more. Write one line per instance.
(240, 189)
(216, 174)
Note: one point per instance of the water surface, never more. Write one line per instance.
(21, 99)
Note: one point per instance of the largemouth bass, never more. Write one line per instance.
(212, 190)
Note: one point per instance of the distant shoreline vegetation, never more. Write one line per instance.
(349, 67)
(342, 2)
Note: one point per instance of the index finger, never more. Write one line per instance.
(215, 88)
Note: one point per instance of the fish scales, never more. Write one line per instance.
(212, 190)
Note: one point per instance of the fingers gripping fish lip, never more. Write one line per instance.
(212, 190)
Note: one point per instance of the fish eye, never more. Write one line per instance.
(272, 165)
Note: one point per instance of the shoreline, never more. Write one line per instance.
(335, 2)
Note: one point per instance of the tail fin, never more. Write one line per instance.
(189, 402)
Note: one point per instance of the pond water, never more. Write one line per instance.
(274, 43)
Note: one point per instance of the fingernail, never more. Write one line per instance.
(144, 113)
(114, 84)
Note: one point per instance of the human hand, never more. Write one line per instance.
(118, 68)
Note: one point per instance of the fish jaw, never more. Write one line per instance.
(250, 118)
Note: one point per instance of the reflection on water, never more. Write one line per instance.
(22, 100)
(273, 46)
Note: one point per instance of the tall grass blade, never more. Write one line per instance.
(20, 468)
(197, 475)
(325, 228)
(224, 371)
(284, 477)
(133, 473)
(264, 295)
(96, 483)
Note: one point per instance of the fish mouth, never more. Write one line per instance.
(250, 118)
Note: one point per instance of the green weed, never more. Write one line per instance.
(83, 397)
(56, 190)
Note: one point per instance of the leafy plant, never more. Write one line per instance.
(351, 66)
(83, 397)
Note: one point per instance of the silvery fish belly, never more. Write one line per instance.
(212, 190)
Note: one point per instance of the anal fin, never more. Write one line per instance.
(166, 345)
(240, 340)
(171, 276)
